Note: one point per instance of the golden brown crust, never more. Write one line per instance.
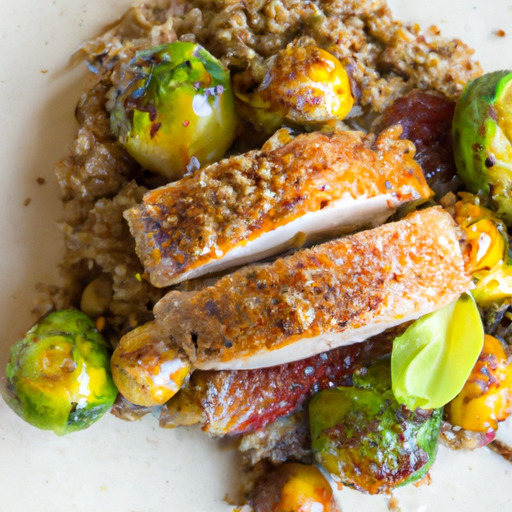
(184, 225)
(380, 276)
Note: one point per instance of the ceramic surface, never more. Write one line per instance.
(116, 466)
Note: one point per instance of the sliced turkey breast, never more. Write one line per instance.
(336, 293)
(292, 192)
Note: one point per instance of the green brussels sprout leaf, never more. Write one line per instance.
(58, 376)
(432, 359)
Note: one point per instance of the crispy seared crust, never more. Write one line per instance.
(187, 224)
(333, 294)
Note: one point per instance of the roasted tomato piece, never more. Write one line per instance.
(426, 120)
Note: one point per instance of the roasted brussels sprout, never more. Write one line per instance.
(486, 397)
(365, 439)
(301, 86)
(58, 376)
(487, 250)
(493, 286)
(482, 136)
(486, 234)
(294, 487)
(146, 368)
(173, 109)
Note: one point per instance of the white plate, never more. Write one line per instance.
(119, 466)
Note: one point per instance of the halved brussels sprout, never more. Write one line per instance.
(493, 285)
(58, 376)
(365, 439)
(146, 368)
(294, 487)
(487, 250)
(173, 109)
(482, 136)
(486, 234)
(302, 86)
(486, 398)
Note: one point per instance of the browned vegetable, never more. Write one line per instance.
(294, 487)
(301, 86)
(486, 397)
(147, 369)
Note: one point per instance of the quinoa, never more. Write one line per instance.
(98, 180)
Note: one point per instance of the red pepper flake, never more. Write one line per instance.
(500, 32)
(154, 128)
(186, 123)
